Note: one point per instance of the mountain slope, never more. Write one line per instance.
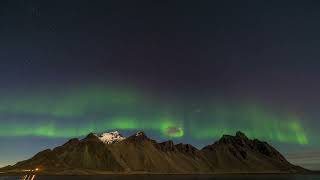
(138, 153)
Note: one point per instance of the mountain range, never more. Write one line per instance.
(112, 153)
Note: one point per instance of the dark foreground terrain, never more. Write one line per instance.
(172, 177)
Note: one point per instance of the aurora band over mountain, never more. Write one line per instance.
(96, 108)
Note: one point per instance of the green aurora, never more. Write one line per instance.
(76, 112)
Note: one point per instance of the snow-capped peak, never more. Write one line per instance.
(110, 137)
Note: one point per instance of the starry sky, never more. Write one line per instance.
(189, 71)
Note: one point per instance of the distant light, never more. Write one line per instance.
(37, 169)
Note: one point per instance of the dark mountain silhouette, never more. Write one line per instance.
(140, 154)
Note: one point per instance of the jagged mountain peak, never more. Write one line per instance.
(167, 146)
(91, 137)
(186, 148)
(140, 133)
(241, 135)
(240, 147)
(239, 138)
(139, 137)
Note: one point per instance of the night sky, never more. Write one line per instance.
(183, 70)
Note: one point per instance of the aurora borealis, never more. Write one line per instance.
(178, 70)
(101, 108)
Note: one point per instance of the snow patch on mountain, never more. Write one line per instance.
(110, 137)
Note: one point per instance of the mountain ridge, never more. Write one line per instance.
(139, 153)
